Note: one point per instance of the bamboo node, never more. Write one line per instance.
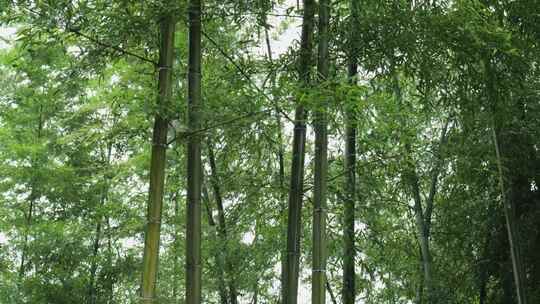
(194, 265)
(154, 220)
(159, 145)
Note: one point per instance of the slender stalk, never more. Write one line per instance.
(110, 281)
(508, 204)
(331, 292)
(254, 245)
(93, 267)
(157, 164)
(97, 237)
(423, 215)
(176, 245)
(217, 254)
(31, 200)
(423, 237)
(29, 216)
(318, 277)
(511, 227)
(280, 154)
(291, 269)
(193, 228)
(222, 225)
(349, 253)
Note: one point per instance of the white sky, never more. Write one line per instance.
(7, 34)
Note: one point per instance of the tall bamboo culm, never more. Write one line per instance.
(193, 227)
(318, 277)
(290, 269)
(157, 165)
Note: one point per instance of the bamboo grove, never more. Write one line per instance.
(270, 151)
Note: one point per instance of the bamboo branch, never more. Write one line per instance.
(95, 40)
(245, 74)
(435, 177)
(217, 125)
(332, 296)
(110, 46)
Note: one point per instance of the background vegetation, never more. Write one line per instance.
(421, 154)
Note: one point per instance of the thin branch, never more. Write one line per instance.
(435, 177)
(329, 288)
(245, 74)
(257, 14)
(217, 125)
(95, 40)
(113, 47)
(286, 15)
(307, 189)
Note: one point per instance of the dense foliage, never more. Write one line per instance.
(445, 109)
